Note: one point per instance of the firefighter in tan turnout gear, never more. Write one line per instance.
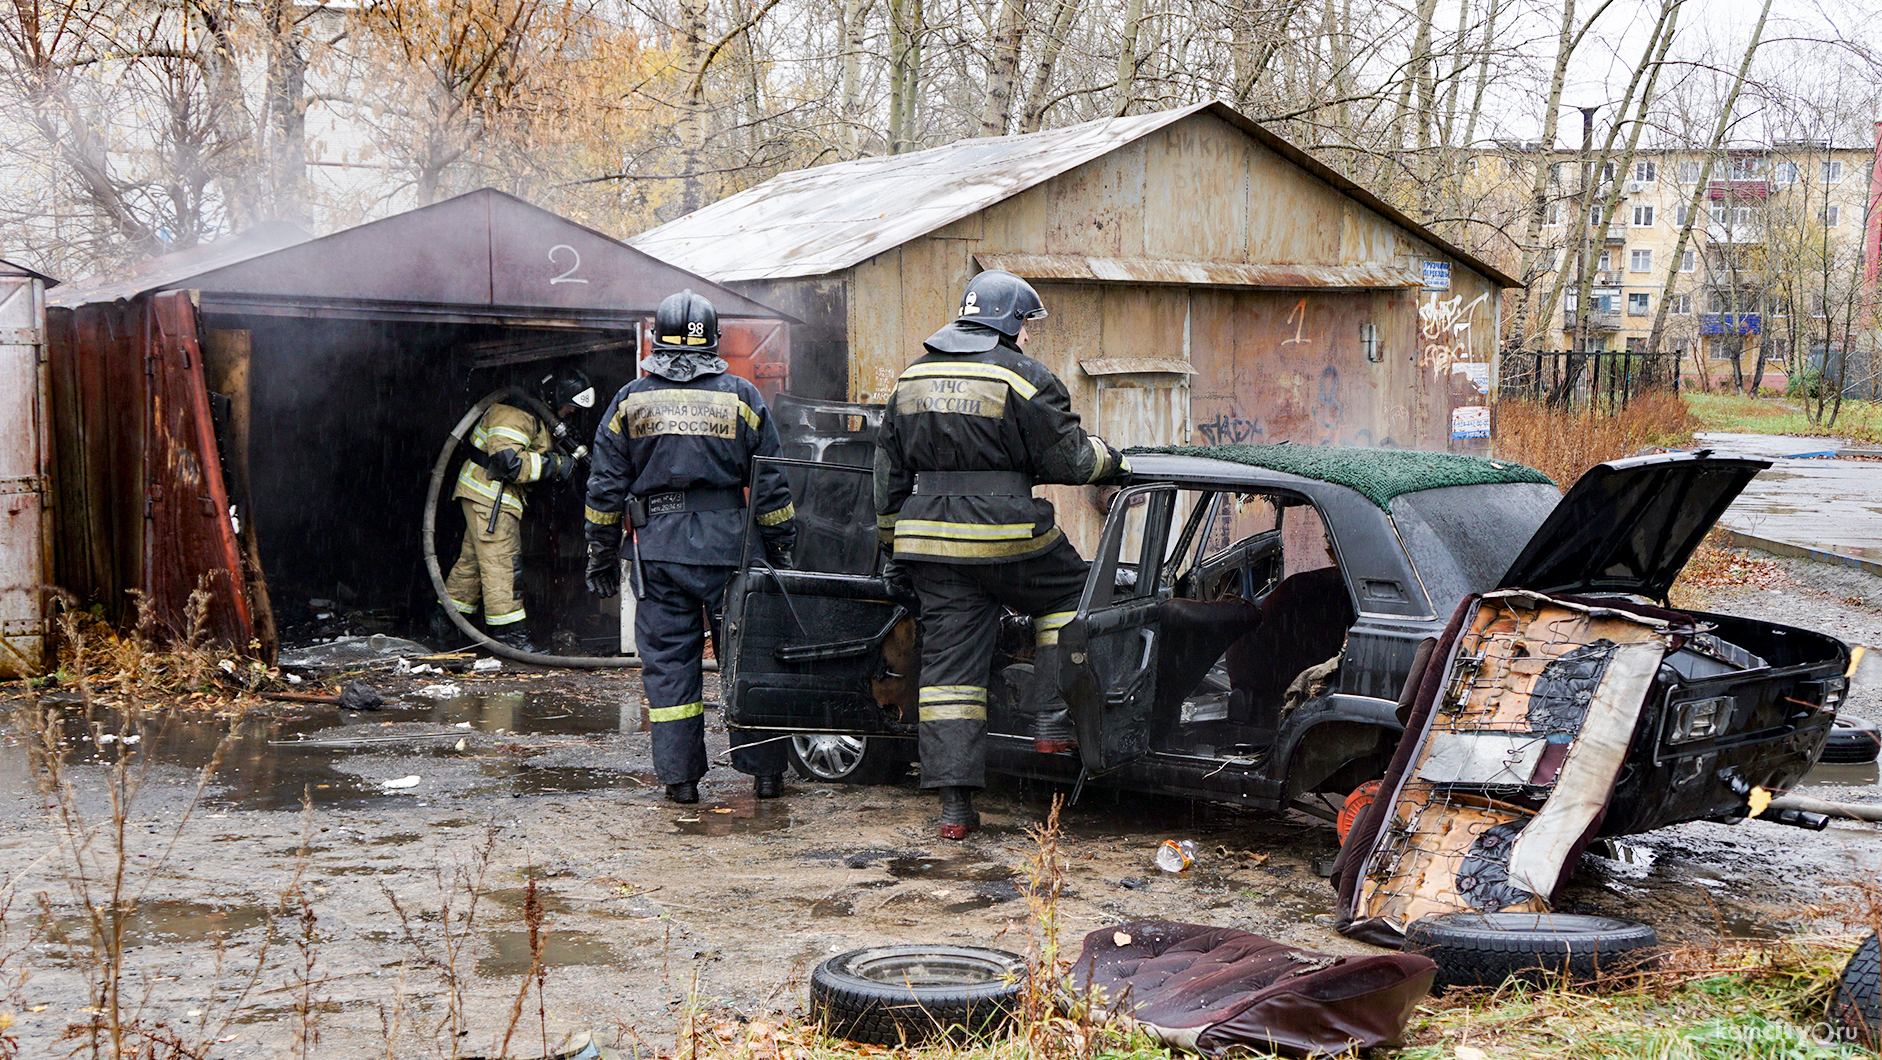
(517, 451)
(971, 427)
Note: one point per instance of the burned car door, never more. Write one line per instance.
(1108, 663)
(823, 647)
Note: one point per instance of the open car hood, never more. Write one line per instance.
(1629, 526)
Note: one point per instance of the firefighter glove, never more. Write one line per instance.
(604, 569)
(504, 465)
(558, 466)
(778, 554)
(901, 580)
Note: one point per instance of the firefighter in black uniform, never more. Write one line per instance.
(971, 427)
(674, 454)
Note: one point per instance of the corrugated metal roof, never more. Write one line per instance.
(813, 222)
(160, 272)
(15, 266)
(1198, 273)
(816, 221)
(483, 254)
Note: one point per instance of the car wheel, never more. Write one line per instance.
(891, 995)
(1857, 1004)
(1484, 949)
(1853, 741)
(834, 759)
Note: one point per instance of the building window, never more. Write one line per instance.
(1640, 261)
(1553, 215)
(1594, 215)
(1643, 217)
(1745, 167)
(1637, 345)
(1832, 172)
(1680, 214)
(1571, 299)
(1689, 172)
(1719, 351)
(1819, 305)
(1784, 173)
(1681, 347)
(1715, 302)
(1637, 304)
(1680, 305)
(1602, 265)
(1607, 172)
(1555, 172)
(1689, 260)
(1645, 172)
(1828, 215)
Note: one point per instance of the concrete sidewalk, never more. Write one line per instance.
(1810, 506)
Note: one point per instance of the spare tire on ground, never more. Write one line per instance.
(1856, 1007)
(1485, 949)
(891, 995)
(1853, 741)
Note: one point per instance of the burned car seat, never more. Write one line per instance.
(1194, 635)
(1216, 989)
(1304, 623)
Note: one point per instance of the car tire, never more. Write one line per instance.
(895, 995)
(828, 758)
(1485, 949)
(1856, 1007)
(1853, 741)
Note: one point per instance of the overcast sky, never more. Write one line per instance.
(1816, 57)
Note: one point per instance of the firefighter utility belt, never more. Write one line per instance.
(674, 502)
(973, 483)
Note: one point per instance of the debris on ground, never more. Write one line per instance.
(1214, 990)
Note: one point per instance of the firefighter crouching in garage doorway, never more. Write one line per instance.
(674, 452)
(518, 451)
(972, 426)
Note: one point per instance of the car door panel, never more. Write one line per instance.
(1108, 669)
(823, 648)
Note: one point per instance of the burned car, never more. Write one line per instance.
(1252, 614)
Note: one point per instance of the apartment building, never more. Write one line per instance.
(1772, 263)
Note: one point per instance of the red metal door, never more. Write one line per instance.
(189, 537)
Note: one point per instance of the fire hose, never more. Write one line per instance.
(560, 433)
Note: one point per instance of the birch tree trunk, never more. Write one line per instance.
(1657, 333)
(1008, 37)
(1529, 270)
(1065, 13)
(1127, 57)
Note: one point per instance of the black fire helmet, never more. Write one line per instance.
(1001, 301)
(686, 321)
(567, 386)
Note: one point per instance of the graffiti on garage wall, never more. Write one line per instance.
(1444, 329)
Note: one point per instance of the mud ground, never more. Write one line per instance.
(544, 777)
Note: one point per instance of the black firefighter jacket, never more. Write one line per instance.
(662, 437)
(994, 411)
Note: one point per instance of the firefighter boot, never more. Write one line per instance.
(1052, 732)
(514, 637)
(767, 785)
(957, 813)
(685, 792)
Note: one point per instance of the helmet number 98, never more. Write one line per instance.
(696, 328)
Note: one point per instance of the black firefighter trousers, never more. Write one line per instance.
(961, 604)
(670, 634)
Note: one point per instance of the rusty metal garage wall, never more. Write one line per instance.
(24, 533)
(141, 504)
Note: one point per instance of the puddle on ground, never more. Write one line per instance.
(1840, 776)
(159, 920)
(509, 952)
(267, 763)
(739, 816)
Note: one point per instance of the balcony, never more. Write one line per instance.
(1601, 320)
(1740, 234)
(1740, 190)
(1615, 234)
(1610, 278)
(1730, 324)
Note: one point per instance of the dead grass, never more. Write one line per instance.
(94, 656)
(1735, 1000)
(1563, 443)
(1717, 567)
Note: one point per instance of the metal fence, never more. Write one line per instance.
(1566, 379)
